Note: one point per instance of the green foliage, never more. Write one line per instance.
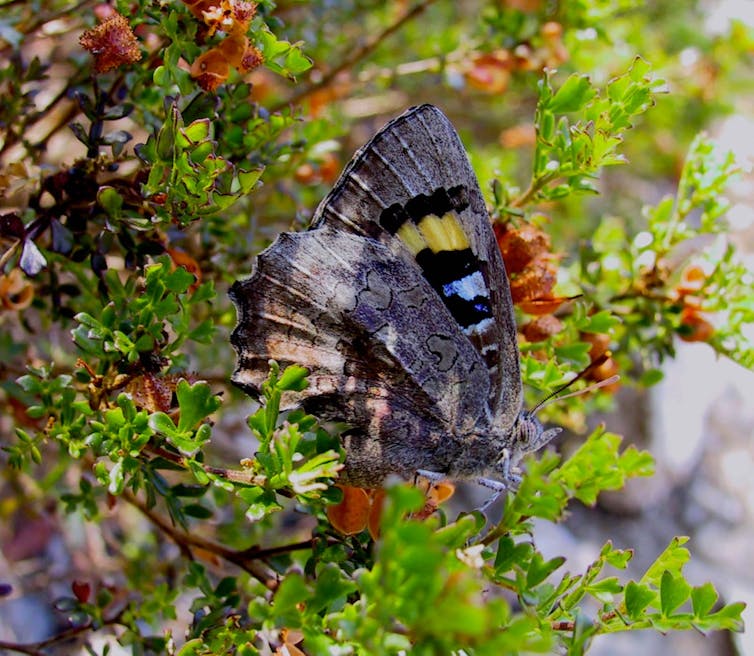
(639, 274)
(134, 321)
(186, 170)
(568, 155)
(112, 251)
(280, 56)
(287, 457)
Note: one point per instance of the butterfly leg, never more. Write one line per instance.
(433, 477)
(510, 478)
(497, 490)
(511, 474)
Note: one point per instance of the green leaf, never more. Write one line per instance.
(617, 558)
(703, 599)
(198, 130)
(280, 56)
(247, 179)
(331, 587)
(539, 569)
(197, 511)
(651, 377)
(261, 502)
(727, 618)
(672, 559)
(674, 591)
(196, 402)
(637, 597)
(293, 379)
(576, 92)
(117, 479)
(111, 201)
(601, 322)
(162, 423)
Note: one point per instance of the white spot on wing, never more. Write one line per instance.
(477, 328)
(468, 287)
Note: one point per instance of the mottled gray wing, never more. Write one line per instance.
(378, 343)
(414, 160)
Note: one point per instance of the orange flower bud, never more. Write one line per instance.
(523, 134)
(536, 282)
(210, 69)
(233, 48)
(600, 343)
(490, 72)
(350, 516)
(694, 327)
(543, 305)
(693, 279)
(16, 292)
(608, 368)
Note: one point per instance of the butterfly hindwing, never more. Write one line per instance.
(412, 188)
(383, 351)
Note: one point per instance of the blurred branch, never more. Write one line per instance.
(39, 648)
(356, 55)
(40, 20)
(247, 559)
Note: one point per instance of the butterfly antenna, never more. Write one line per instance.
(555, 396)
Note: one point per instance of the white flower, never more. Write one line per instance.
(472, 556)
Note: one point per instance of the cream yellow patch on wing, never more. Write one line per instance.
(410, 236)
(443, 233)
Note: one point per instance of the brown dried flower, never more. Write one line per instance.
(112, 43)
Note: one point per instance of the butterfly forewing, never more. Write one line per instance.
(412, 188)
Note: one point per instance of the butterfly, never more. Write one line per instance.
(397, 302)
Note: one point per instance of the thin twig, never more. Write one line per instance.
(37, 648)
(45, 18)
(248, 559)
(354, 57)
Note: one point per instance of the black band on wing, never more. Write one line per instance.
(467, 312)
(439, 202)
(454, 273)
(446, 268)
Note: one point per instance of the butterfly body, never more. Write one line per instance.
(397, 302)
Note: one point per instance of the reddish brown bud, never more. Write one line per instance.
(16, 292)
(210, 69)
(607, 369)
(694, 327)
(490, 72)
(600, 343)
(541, 328)
(519, 246)
(537, 281)
(81, 590)
(350, 516)
(693, 279)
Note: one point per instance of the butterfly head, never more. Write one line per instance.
(527, 435)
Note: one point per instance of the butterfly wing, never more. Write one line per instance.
(413, 189)
(383, 351)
